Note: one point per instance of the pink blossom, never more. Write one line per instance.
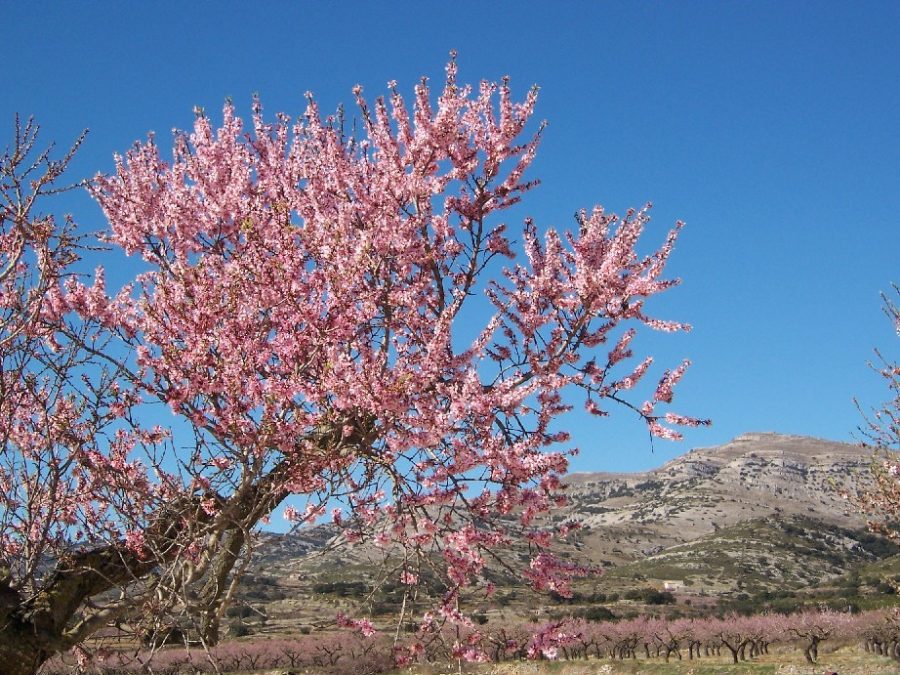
(135, 542)
(364, 626)
(221, 463)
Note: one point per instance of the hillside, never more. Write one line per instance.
(755, 476)
(760, 517)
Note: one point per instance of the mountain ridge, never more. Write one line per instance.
(764, 511)
(755, 475)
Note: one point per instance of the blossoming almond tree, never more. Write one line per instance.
(307, 309)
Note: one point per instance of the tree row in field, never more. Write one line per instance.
(364, 650)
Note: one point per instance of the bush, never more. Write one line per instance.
(650, 596)
(659, 598)
(242, 611)
(596, 613)
(238, 629)
(885, 588)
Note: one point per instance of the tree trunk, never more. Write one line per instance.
(34, 628)
(734, 652)
(808, 656)
(215, 595)
(21, 656)
(811, 651)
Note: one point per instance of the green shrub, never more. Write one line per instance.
(596, 613)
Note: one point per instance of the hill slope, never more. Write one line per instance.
(759, 515)
(755, 476)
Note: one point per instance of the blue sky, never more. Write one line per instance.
(773, 129)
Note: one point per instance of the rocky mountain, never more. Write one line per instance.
(760, 514)
(755, 476)
(764, 510)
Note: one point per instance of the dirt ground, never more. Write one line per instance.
(845, 661)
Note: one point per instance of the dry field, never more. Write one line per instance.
(845, 661)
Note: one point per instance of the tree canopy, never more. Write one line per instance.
(303, 307)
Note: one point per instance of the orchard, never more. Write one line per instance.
(694, 642)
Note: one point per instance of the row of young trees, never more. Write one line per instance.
(741, 638)
(328, 314)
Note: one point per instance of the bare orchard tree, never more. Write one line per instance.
(881, 430)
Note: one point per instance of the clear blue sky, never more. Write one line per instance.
(773, 129)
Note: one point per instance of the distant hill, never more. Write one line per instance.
(759, 517)
(755, 477)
